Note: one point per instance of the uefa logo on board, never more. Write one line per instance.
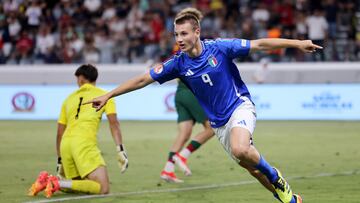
(23, 102)
(170, 102)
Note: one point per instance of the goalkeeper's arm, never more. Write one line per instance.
(60, 131)
(116, 134)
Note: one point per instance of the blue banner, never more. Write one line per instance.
(155, 102)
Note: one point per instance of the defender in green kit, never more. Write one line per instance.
(189, 112)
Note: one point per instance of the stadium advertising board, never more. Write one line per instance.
(273, 102)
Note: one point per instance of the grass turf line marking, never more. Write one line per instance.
(201, 187)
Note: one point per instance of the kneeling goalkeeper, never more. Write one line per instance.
(81, 167)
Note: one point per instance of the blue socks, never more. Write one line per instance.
(267, 170)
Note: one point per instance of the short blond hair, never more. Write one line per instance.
(192, 15)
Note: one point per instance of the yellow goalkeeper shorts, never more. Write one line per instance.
(80, 156)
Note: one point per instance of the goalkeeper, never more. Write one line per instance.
(81, 167)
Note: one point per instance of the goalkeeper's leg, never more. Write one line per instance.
(97, 182)
(100, 176)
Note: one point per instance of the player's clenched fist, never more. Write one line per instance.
(122, 158)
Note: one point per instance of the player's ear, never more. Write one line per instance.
(197, 31)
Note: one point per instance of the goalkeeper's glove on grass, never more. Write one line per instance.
(122, 158)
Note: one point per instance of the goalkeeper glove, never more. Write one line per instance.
(59, 169)
(122, 158)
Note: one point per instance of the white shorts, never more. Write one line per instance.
(244, 116)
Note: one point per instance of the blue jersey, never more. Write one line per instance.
(212, 76)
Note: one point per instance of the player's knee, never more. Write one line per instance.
(242, 153)
(105, 189)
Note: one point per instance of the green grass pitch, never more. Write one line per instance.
(321, 159)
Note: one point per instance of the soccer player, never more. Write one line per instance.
(207, 68)
(189, 112)
(79, 158)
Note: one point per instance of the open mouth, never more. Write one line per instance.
(182, 46)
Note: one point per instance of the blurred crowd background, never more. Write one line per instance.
(141, 31)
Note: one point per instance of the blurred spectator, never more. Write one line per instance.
(105, 45)
(77, 45)
(24, 48)
(10, 6)
(275, 32)
(136, 47)
(301, 26)
(33, 14)
(317, 29)
(45, 43)
(261, 13)
(92, 6)
(331, 10)
(262, 71)
(286, 10)
(67, 53)
(91, 54)
(109, 11)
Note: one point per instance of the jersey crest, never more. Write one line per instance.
(212, 61)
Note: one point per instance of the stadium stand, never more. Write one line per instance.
(136, 31)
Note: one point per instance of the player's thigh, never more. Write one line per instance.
(243, 117)
(242, 123)
(87, 156)
(240, 140)
(68, 162)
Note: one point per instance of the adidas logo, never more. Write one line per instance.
(242, 122)
(189, 73)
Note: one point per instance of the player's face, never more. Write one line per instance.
(186, 37)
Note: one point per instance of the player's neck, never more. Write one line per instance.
(90, 83)
(196, 50)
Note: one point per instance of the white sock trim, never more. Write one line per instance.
(65, 184)
(185, 153)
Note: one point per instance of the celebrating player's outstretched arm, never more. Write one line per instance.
(267, 44)
(130, 85)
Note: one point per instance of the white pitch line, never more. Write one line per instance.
(201, 187)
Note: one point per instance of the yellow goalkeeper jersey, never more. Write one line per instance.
(83, 120)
